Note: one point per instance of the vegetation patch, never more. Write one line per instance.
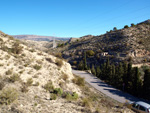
(14, 77)
(8, 95)
(37, 67)
(79, 81)
(59, 62)
(49, 86)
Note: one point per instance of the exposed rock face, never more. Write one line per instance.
(139, 53)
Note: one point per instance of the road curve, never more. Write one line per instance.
(105, 88)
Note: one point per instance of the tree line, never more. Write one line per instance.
(122, 76)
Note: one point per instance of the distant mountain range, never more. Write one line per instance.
(39, 38)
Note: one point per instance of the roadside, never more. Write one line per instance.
(108, 90)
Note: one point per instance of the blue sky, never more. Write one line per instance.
(70, 18)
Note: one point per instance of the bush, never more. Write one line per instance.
(59, 55)
(64, 77)
(29, 81)
(126, 26)
(86, 103)
(9, 72)
(68, 96)
(49, 86)
(2, 85)
(49, 60)
(79, 81)
(8, 95)
(14, 77)
(74, 62)
(24, 88)
(58, 91)
(74, 96)
(37, 67)
(90, 53)
(71, 97)
(53, 96)
(59, 62)
(16, 48)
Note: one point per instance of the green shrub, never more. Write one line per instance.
(74, 62)
(86, 103)
(14, 77)
(29, 81)
(37, 67)
(70, 97)
(49, 86)
(8, 95)
(59, 62)
(79, 81)
(58, 91)
(90, 53)
(74, 96)
(53, 96)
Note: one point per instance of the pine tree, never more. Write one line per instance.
(93, 70)
(136, 82)
(120, 76)
(129, 77)
(81, 65)
(125, 68)
(113, 74)
(146, 84)
(98, 71)
(85, 64)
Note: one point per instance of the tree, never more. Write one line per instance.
(120, 76)
(125, 78)
(132, 25)
(114, 29)
(81, 65)
(126, 26)
(129, 78)
(146, 84)
(85, 64)
(93, 70)
(98, 71)
(136, 82)
(90, 53)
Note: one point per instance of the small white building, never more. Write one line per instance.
(104, 54)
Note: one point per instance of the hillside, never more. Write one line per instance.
(34, 81)
(38, 38)
(127, 44)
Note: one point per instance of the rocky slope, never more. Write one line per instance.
(33, 81)
(127, 44)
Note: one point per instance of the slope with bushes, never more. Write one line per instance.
(34, 81)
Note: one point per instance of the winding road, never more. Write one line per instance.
(105, 88)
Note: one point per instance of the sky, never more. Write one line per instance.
(70, 18)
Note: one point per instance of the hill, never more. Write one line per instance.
(38, 38)
(127, 44)
(34, 81)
